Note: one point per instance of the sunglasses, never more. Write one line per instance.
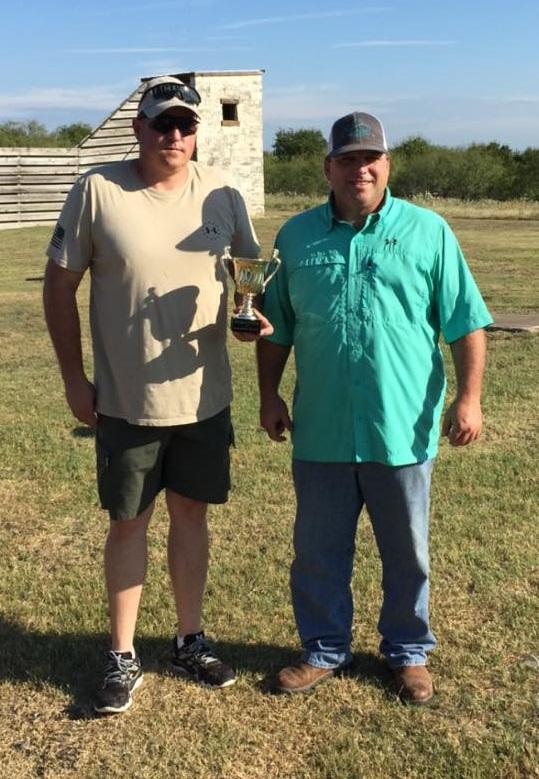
(167, 91)
(164, 123)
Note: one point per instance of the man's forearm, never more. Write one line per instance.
(463, 419)
(271, 359)
(469, 355)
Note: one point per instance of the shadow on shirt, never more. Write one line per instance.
(178, 350)
(179, 358)
(170, 317)
(223, 211)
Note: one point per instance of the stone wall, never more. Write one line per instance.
(236, 146)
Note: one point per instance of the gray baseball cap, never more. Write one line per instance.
(357, 132)
(164, 92)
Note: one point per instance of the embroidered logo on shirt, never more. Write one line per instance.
(58, 236)
(211, 230)
(391, 242)
(315, 258)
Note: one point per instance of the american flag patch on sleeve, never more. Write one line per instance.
(58, 236)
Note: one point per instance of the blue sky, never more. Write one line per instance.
(453, 72)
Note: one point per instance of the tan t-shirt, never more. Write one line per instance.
(158, 290)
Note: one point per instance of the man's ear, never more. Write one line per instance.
(136, 127)
(327, 163)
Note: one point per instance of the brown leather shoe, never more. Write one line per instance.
(414, 684)
(301, 677)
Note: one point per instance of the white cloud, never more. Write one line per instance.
(297, 102)
(124, 50)
(301, 89)
(301, 17)
(448, 120)
(159, 67)
(359, 44)
(90, 98)
(223, 38)
(158, 50)
(532, 99)
(166, 4)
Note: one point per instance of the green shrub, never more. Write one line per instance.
(473, 173)
(35, 134)
(300, 175)
(299, 143)
(527, 164)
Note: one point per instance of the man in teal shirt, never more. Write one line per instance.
(368, 284)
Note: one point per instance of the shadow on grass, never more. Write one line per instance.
(74, 662)
(83, 432)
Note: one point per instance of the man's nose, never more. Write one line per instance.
(360, 169)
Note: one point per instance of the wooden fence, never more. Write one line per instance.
(34, 182)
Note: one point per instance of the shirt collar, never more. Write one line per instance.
(331, 219)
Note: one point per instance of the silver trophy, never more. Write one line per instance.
(250, 278)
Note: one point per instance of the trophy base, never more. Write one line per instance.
(240, 324)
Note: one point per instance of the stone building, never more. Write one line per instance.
(34, 182)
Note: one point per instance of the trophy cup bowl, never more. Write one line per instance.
(250, 276)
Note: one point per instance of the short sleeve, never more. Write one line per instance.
(460, 306)
(277, 306)
(71, 242)
(244, 242)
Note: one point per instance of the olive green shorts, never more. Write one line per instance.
(135, 462)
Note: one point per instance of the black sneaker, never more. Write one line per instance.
(197, 661)
(123, 674)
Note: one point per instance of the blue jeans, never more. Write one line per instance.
(330, 497)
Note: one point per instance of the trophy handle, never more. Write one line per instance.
(274, 259)
(225, 258)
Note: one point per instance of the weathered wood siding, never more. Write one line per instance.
(114, 139)
(34, 184)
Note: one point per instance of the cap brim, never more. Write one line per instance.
(158, 108)
(358, 147)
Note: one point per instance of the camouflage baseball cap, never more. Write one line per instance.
(357, 132)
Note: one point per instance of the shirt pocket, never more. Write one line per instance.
(317, 287)
(397, 286)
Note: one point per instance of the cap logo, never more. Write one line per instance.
(362, 130)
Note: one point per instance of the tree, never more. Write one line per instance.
(72, 134)
(300, 175)
(528, 173)
(412, 147)
(33, 133)
(29, 133)
(299, 143)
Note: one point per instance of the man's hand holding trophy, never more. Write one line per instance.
(250, 276)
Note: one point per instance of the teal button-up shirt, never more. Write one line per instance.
(364, 311)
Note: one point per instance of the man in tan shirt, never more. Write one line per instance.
(151, 232)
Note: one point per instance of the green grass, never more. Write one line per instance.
(448, 207)
(53, 622)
